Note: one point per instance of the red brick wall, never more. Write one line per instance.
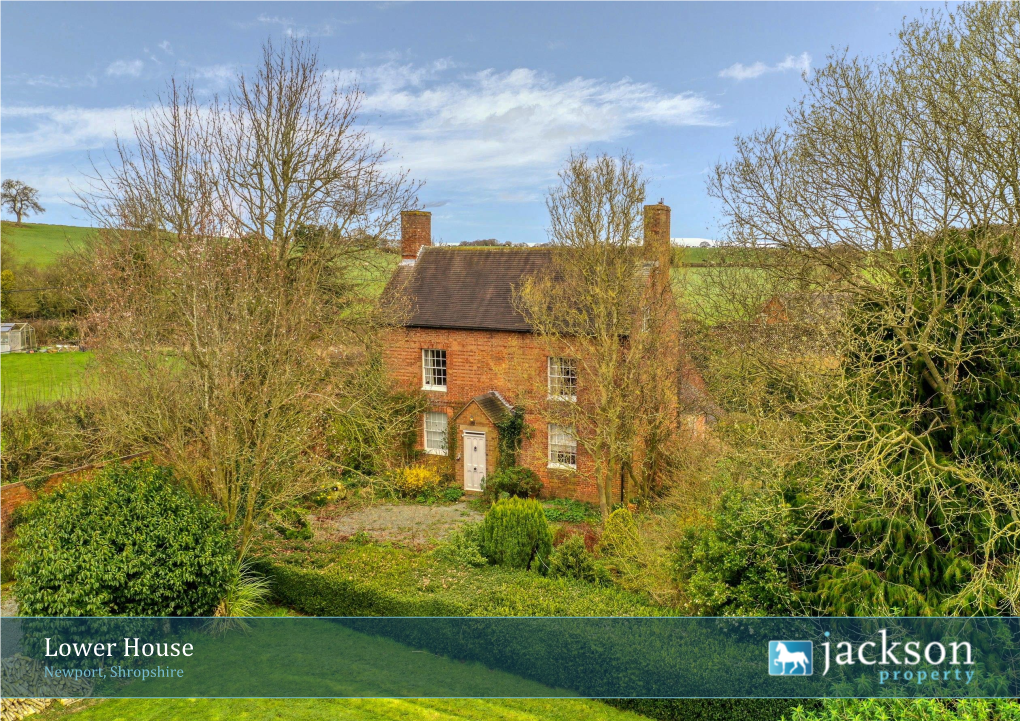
(13, 495)
(514, 365)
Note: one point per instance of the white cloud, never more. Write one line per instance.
(212, 78)
(503, 134)
(166, 47)
(274, 20)
(50, 129)
(510, 129)
(392, 77)
(125, 68)
(54, 81)
(739, 71)
(295, 30)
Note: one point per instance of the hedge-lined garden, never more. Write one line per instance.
(827, 428)
(383, 580)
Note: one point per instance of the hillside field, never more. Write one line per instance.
(40, 244)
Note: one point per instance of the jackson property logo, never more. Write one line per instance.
(791, 658)
(903, 660)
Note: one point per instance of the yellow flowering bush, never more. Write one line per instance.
(415, 481)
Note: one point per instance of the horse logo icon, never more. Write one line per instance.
(790, 658)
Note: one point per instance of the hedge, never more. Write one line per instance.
(712, 709)
(930, 709)
(378, 580)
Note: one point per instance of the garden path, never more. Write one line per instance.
(8, 603)
(403, 522)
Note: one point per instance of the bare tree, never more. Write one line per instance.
(881, 153)
(880, 156)
(20, 199)
(594, 309)
(895, 187)
(234, 271)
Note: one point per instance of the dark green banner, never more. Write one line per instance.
(511, 657)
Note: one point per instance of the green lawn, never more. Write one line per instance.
(39, 244)
(343, 710)
(29, 378)
(289, 657)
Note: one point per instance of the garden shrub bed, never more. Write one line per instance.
(381, 580)
(715, 709)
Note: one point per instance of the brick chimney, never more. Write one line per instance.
(657, 245)
(415, 232)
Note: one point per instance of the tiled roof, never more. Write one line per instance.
(470, 288)
(493, 405)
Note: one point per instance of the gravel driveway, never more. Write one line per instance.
(8, 604)
(409, 523)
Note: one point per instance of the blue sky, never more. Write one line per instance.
(483, 101)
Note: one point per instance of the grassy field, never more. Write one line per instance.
(28, 378)
(40, 244)
(343, 710)
(699, 255)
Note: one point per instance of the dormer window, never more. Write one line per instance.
(433, 366)
(562, 379)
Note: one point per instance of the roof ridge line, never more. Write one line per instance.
(499, 395)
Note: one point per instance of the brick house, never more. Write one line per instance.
(461, 340)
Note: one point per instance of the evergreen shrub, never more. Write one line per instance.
(515, 533)
(588, 533)
(130, 542)
(513, 481)
(382, 580)
(463, 546)
(736, 565)
(572, 560)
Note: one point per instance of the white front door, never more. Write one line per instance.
(474, 460)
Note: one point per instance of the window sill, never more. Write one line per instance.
(435, 452)
(565, 399)
(441, 389)
(561, 467)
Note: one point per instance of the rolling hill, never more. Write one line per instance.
(40, 244)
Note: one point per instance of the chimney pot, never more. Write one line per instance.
(415, 232)
(657, 243)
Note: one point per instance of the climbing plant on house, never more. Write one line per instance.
(512, 432)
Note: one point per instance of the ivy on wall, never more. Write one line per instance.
(512, 432)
